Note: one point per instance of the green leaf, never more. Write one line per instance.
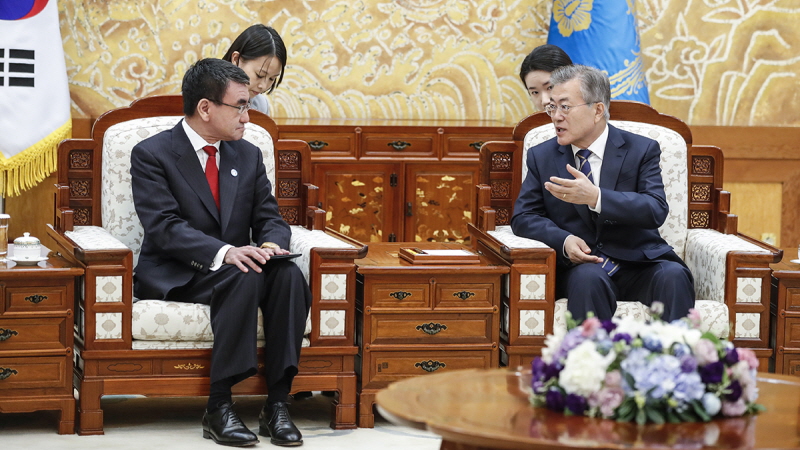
(641, 417)
(654, 414)
(698, 409)
(627, 407)
(672, 416)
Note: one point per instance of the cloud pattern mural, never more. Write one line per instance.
(709, 62)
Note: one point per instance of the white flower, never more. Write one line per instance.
(711, 404)
(629, 325)
(551, 344)
(669, 334)
(584, 370)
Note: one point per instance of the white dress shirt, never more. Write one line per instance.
(197, 144)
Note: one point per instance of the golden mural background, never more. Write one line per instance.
(708, 62)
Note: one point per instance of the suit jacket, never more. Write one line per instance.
(183, 230)
(633, 201)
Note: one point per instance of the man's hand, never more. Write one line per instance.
(579, 191)
(249, 256)
(578, 252)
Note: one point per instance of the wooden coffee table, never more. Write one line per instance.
(487, 409)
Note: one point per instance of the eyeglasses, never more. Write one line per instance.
(242, 108)
(551, 108)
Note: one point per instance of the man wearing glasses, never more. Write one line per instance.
(595, 194)
(201, 193)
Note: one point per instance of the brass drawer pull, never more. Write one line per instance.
(463, 295)
(399, 145)
(6, 334)
(477, 145)
(5, 373)
(431, 328)
(430, 365)
(400, 295)
(317, 145)
(36, 298)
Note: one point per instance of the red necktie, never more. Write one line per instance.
(212, 172)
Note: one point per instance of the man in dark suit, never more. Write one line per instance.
(594, 193)
(202, 195)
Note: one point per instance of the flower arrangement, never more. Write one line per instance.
(634, 371)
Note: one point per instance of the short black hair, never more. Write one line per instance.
(257, 41)
(209, 79)
(546, 58)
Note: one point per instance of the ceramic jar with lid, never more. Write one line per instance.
(27, 247)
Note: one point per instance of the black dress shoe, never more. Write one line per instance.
(302, 395)
(274, 422)
(225, 427)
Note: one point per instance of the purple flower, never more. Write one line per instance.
(576, 404)
(608, 325)
(735, 391)
(554, 400)
(711, 373)
(623, 337)
(572, 339)
(688, 364)
(731, 357)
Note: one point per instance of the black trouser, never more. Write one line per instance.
(234, 296)
(588, 287)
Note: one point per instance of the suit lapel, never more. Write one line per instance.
(192, 171)
(567, 157)
(612, 159)
(228, 182)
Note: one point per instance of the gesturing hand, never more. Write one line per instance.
(249, 256)
(579, 191)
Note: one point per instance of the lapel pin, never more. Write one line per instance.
(234, 172)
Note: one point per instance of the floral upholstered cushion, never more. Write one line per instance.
(673, 172)
(714, 315)
(706, 257)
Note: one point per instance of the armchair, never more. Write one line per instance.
(731, 270)
(159, 348)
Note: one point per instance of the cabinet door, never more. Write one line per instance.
(439, 202)
(361, 200)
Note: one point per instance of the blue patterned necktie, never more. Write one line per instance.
(609, 265)
(583, 163)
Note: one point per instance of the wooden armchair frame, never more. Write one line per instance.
(709, 208)
(112, 366)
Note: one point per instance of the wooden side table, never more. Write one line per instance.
(36, 333)
(417, 319)
(785, 315)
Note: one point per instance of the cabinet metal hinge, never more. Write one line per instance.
(392, 237)
(409, 209)
(393, 180)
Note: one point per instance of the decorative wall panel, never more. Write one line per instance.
(708, 62)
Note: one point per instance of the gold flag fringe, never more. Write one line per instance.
(29, 167)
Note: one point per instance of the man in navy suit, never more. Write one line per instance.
(197, 247)
(594, 193)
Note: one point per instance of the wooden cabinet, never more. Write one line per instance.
(36, 334)
(785, 316)
(396, 180)
(420, 319)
